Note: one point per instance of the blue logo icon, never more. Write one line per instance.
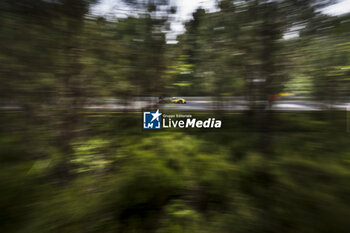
(151, 120)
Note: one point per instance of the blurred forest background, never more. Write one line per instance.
(67, 169)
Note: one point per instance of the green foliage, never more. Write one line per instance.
(174, 181)
(65, 171)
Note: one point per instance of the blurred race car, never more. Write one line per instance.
(172, 100)
(278, 96)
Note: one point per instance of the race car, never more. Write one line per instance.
(172, 100)
(278, 96)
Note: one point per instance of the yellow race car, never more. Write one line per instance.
(172, 100)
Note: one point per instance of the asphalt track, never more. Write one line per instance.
(197, 104)
(211, 104)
